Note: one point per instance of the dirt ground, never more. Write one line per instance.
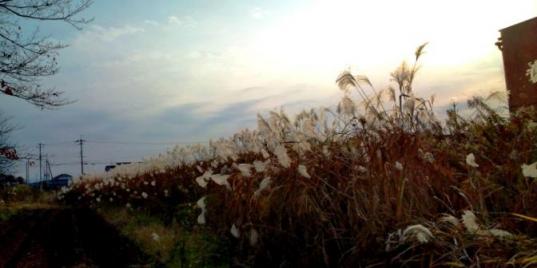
(65, 238)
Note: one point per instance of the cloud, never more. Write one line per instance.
(203, 54)
(184, 114)
(224, 116)
(461, 83)
(151, 22)
(258, 13)
(186, 22)
(174, 21)
(233, 117)
(107, 34)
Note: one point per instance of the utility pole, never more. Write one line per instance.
(81, 143)
(28, 170)
(48, 170)
(40, 162)
(45, 173)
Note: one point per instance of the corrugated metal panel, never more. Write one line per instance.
(519, 47)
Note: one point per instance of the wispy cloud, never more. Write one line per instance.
(107, 34)
(184, 21)
(258, 13)
(174, 21)
(152, 22)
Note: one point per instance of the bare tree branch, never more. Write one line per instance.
(25, 58)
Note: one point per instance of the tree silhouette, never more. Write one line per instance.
(7, 151)
(26, 57)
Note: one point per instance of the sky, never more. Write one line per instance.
(149, 74)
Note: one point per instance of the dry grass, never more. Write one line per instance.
(21, 197)
(351, 188)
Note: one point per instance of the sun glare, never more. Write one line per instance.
(374, 35)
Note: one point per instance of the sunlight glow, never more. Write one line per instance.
(376, 34)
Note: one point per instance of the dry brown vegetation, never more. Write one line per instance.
(370, 184)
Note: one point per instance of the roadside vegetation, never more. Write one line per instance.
(17, 198)
(176, 243)
(377, 181)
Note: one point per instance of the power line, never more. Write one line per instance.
(59, 143)
(145, 142)
(65, 164)
(88, 163)
(65, 143)
(82, 162)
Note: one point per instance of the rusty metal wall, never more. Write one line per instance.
(519, 48)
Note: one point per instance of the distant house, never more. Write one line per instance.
(59, 181)
(110, 167)
(519, 49)
(63, 177)
(54, 184)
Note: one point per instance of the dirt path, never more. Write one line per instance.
(64, 238)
